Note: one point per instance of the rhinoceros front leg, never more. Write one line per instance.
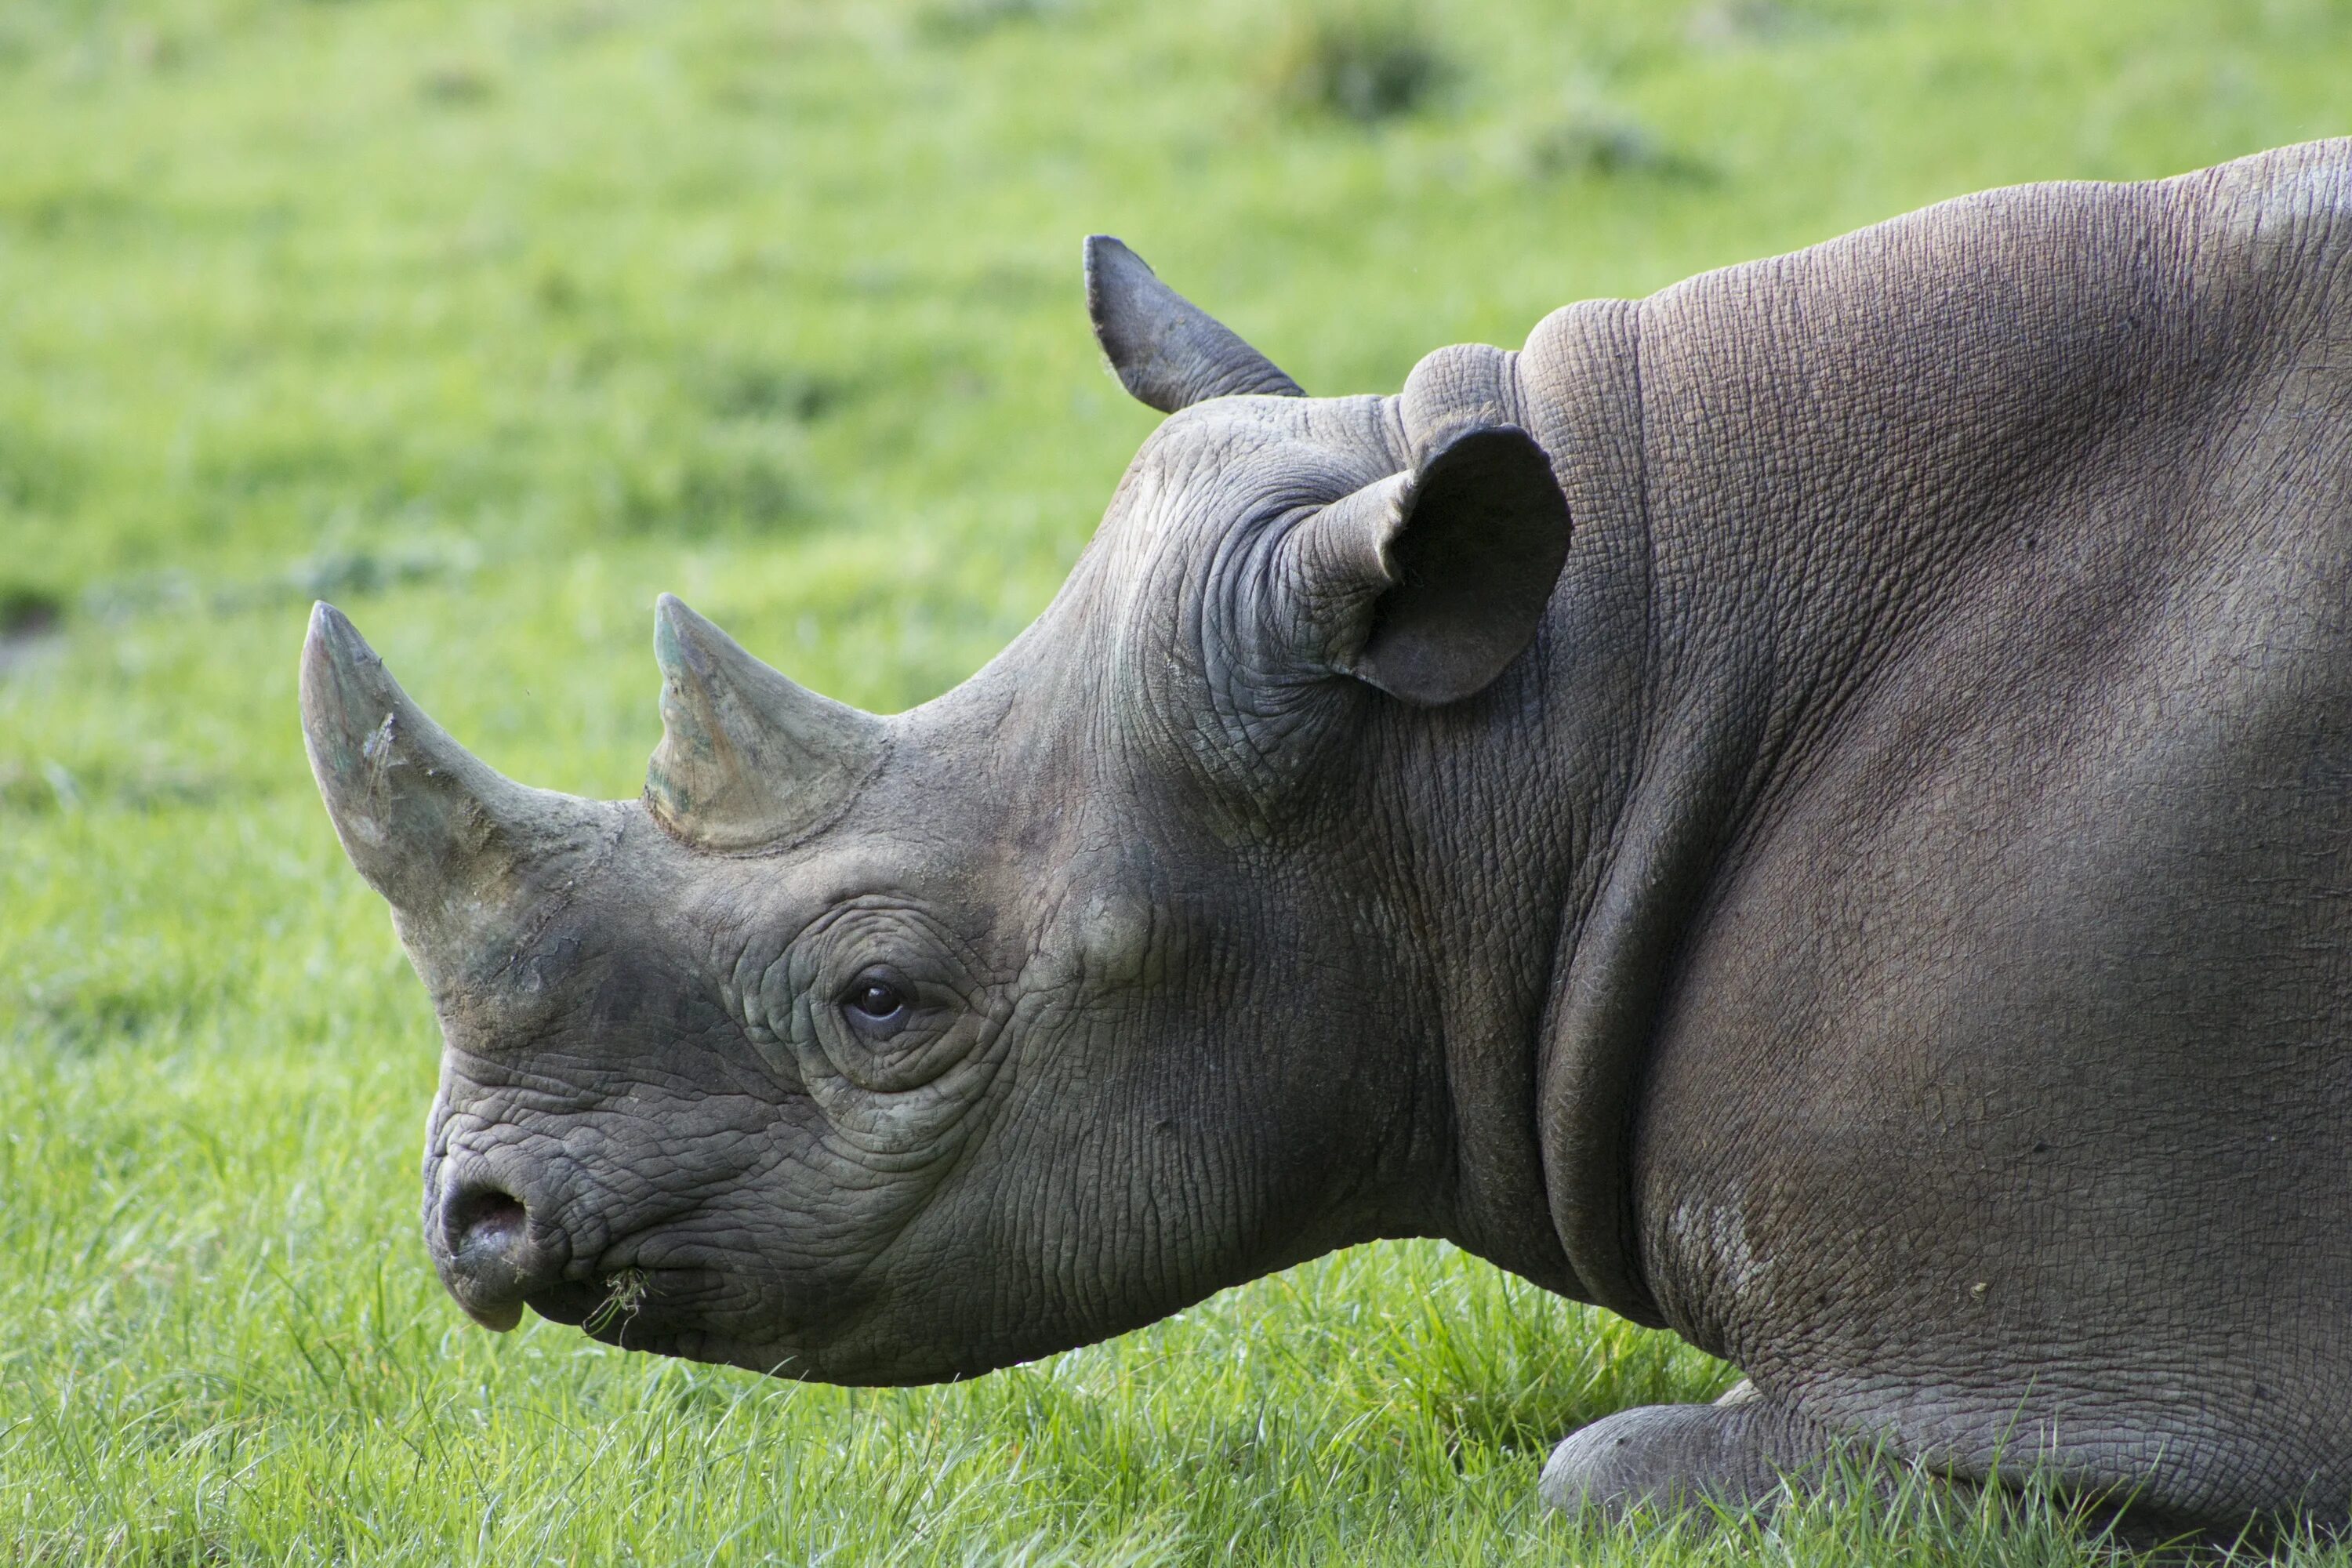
(1669, 1457)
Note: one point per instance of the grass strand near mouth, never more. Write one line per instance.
(488, 322)
(622, 1292)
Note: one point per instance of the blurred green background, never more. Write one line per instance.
(488, 322)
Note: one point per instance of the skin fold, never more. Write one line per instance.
(1810, 809)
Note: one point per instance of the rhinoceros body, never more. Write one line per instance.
(1815, 809)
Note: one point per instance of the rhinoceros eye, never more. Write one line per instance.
(875, 1002)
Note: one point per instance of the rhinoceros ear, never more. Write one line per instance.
(450, 842)
(1427, 583)
(747, 759)
(1168, 352)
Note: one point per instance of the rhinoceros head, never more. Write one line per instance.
(889, 1050)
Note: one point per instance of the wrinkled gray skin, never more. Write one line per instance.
(1879, 907)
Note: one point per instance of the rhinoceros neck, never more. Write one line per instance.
(1517, 795)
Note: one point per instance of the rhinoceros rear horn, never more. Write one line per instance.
(748, 760)
(1168, 352)
(443, 837)
(1428, 583)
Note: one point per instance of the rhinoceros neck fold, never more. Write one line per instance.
(1521, 792)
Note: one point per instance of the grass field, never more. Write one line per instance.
(491, 320)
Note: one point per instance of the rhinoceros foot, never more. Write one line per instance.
(1737, 1453)
(1748, 1453)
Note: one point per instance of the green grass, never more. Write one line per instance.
(490, 321)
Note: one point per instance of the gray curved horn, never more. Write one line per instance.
(1168, 352)
(448, 840)
(747, 758)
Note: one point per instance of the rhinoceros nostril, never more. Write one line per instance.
(487, 1218)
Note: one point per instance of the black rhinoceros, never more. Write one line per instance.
(1815, 809)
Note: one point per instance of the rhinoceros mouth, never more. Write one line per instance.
(655, 1311)
(633, 1307)
(571, 1302)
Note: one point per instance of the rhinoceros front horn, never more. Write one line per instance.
(449, 841)
(748, 760)
(1168, 352)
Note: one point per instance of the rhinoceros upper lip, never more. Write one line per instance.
(497, 1316)
(492, 1258)
(492, 1294)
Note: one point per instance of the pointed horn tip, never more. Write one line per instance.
(681, 635)
(332, 632)
(675, 617)
(338, 661)
(670, 617)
